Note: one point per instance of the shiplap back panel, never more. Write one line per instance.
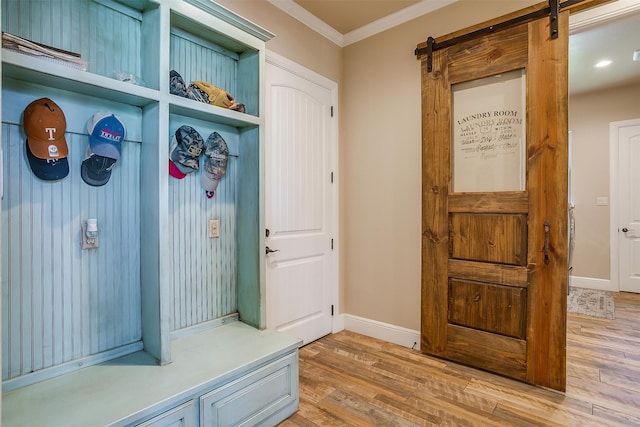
(204, 269)
(196, 59)
(108, 37)
(61, 303)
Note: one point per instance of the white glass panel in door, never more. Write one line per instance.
(488, 134)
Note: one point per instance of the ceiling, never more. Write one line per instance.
(613, 37)
(614, 40)
(348, 15)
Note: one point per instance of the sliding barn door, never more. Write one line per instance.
(494, 245)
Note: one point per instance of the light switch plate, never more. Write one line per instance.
(214, 228)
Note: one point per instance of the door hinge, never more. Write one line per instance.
(332, 309)
(331, 244)
(332, 177)
(332, 111)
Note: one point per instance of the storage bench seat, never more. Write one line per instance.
(228, 375)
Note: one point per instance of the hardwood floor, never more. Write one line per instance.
(347, 379)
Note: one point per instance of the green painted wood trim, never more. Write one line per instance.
(233, 19)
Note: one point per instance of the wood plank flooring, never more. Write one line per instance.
(347, 379)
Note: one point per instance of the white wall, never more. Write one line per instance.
(589, 118)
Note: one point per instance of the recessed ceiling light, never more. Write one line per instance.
(636, 55)
(604, 63)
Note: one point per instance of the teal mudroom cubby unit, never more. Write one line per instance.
(161, 301)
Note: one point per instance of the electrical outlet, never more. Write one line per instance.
(86, 242)
(214, 228)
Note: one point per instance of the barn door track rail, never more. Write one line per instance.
(552, 11)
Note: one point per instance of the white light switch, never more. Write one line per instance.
(602, 201)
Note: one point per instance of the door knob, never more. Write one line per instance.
(624, 230)
(269, 250)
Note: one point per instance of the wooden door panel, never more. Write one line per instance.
(489, 55)
(502, 355)
(547, 171)
(436, 110)
(498, 238)
(485, 272)
(488, 307)
(503, 202)
(494, 265)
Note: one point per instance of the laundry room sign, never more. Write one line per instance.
(488, 133)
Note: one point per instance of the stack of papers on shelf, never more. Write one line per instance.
(48, 53)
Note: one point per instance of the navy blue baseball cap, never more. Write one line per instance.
(95, 169)
(48, 169)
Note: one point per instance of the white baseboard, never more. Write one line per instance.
(384, 331)
(411, 338)
(591, 283)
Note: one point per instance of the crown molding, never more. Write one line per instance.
(397, 18)
(577, 22)
(303, 15)
(228, 16)
(598, 15)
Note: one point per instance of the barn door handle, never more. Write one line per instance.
(547, 226)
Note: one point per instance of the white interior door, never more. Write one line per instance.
(300, 203)
(629, 205)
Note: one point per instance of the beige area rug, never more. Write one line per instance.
(590, 302)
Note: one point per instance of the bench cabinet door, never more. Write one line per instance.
(266, 394)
